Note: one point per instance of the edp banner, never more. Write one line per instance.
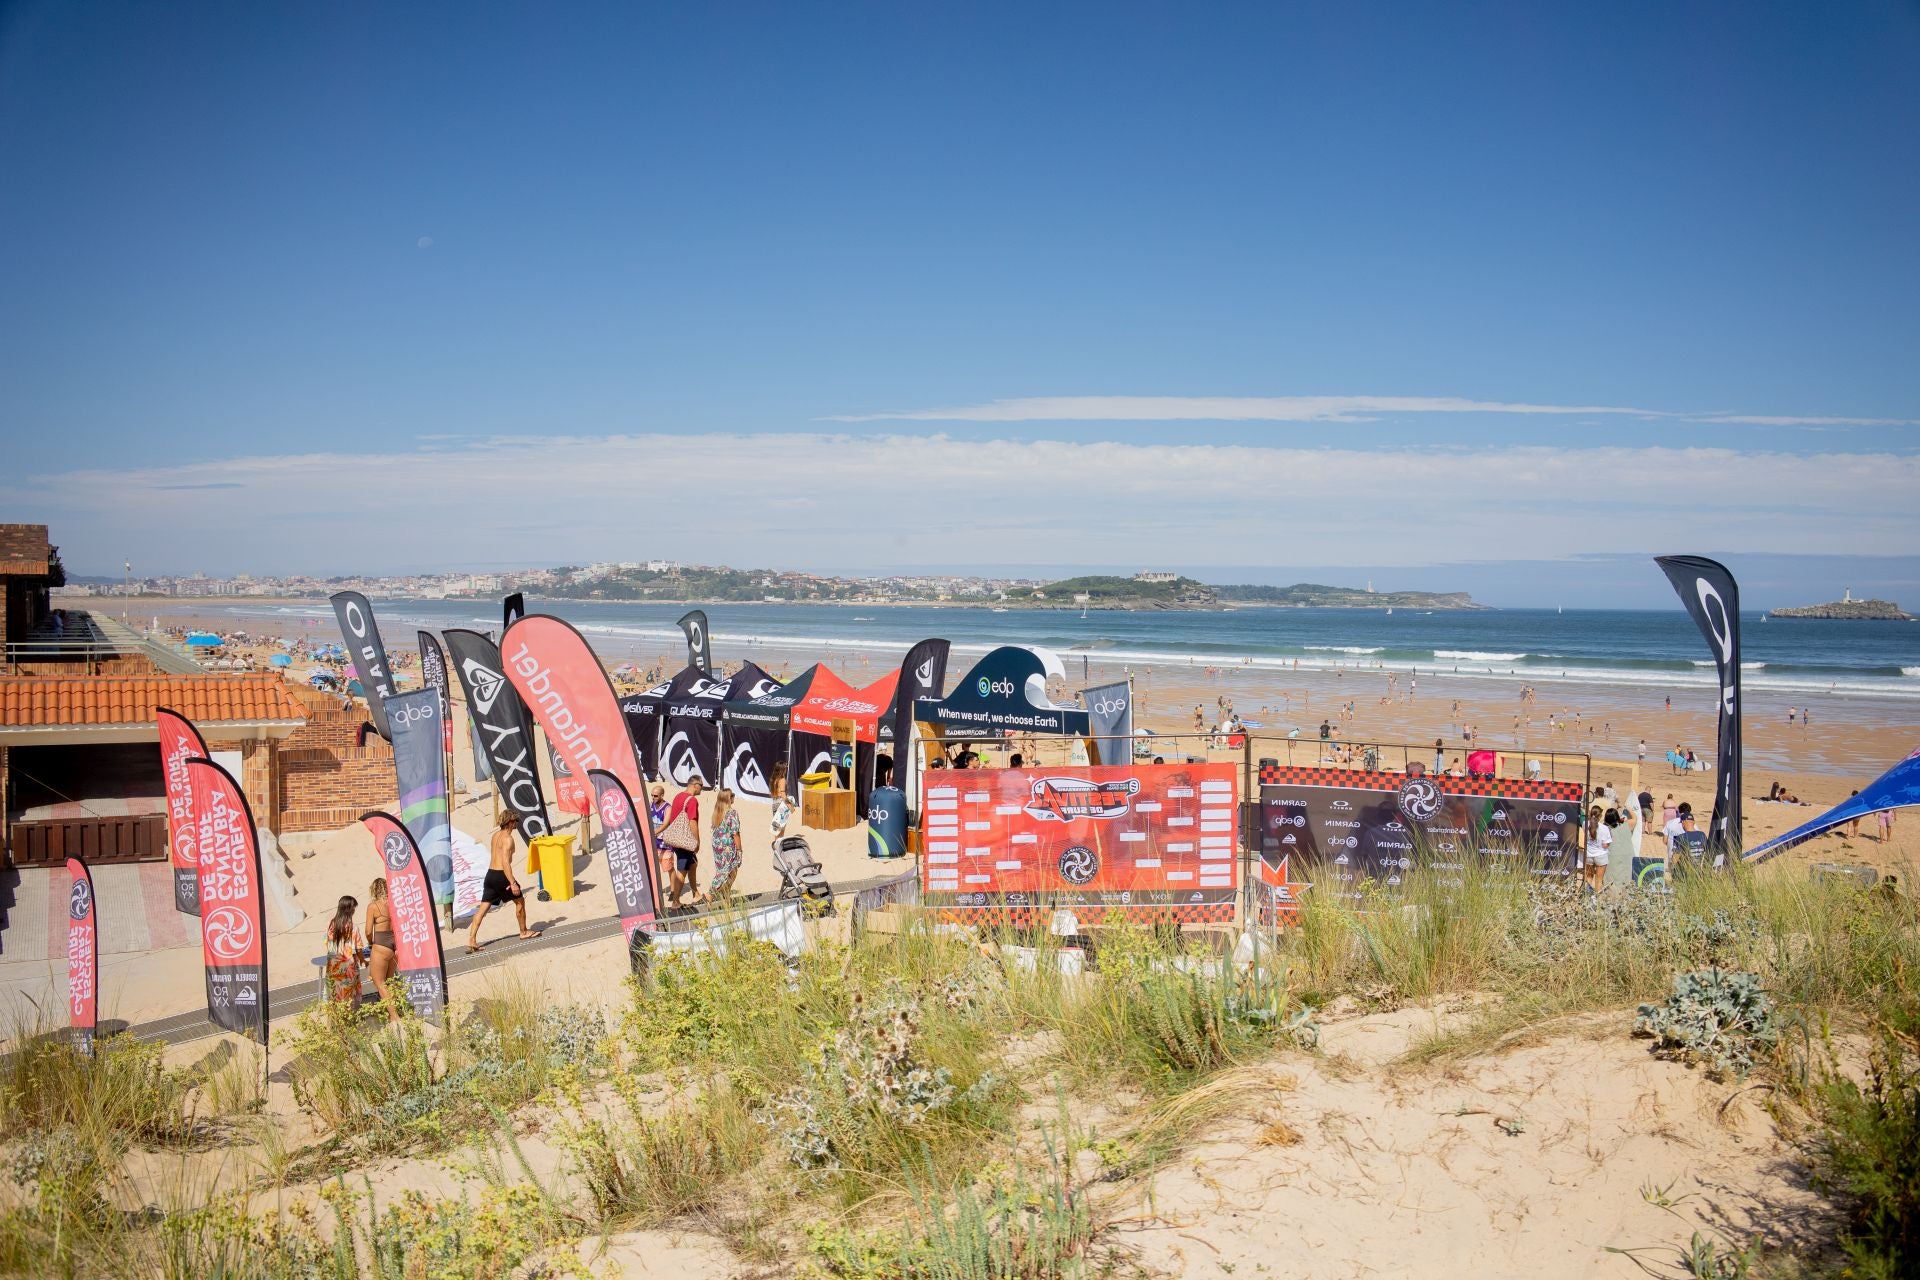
(1154, 842)
(1341, 830)
(420, 769)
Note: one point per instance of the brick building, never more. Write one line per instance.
(79, 755)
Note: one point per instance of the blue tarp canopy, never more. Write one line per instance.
(1897, 788)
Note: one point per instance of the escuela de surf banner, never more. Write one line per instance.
(1348, 833)
(83, 956)
(420, 774)
(179, 743)
(233, 924)
(1149, 841)
(504, 728)
(1712, 600)
(556, 674)
(367, 653)
(419, 961)
(630, 853)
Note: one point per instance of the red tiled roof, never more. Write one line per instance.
(23, 549)
(27, 701)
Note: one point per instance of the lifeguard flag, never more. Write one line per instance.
(554, 670)
(233, 926)
(179, 743)
(628, 844)
(83, 957)
(419, 960)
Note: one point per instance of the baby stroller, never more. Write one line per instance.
(801, 877)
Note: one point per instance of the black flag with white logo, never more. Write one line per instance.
(699, 644)
(1712, 599)
(505, 728)
(369, 656)
(922, 675)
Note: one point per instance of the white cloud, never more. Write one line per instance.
(1298, 409)
(1217, 409)
(800, 500)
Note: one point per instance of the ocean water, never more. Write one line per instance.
(1643, 649)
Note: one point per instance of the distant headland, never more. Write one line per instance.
(1847, 609)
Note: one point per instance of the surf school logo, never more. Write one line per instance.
(613, 808)
(1079, 864)
(1065, 799)
(229, 933)
(1419, 798)
(483, 683)
(80, 901)
(393, 850)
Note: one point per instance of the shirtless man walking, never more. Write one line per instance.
(500, 885)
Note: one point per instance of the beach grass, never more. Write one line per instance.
(923, 1103)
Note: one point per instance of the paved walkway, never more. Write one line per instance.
(288, 1001)
(136, 912)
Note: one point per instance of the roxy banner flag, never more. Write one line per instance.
(628, 844)
(420, 769)
(419, 961)
(83, 957)
(555, 672)
(503, 728)
(233, 923)
(699, 641)
(1712, 599)
(179, 743)
(369, 655)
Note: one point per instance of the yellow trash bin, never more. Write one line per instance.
(554, 854)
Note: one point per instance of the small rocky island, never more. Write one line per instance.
(1848, 609)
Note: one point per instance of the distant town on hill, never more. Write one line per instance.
(673, 583)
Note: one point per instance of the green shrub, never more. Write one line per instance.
(1868, 1151)
(1717, 1018)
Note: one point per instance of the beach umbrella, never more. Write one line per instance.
(280, 660)
(202, 640)
(355, 688)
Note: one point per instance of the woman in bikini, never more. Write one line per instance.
(381, 960)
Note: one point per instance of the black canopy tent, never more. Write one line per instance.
(690, 729)
(760, 723)
(644, 714)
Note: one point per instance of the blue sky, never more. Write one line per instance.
(1499, 282)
